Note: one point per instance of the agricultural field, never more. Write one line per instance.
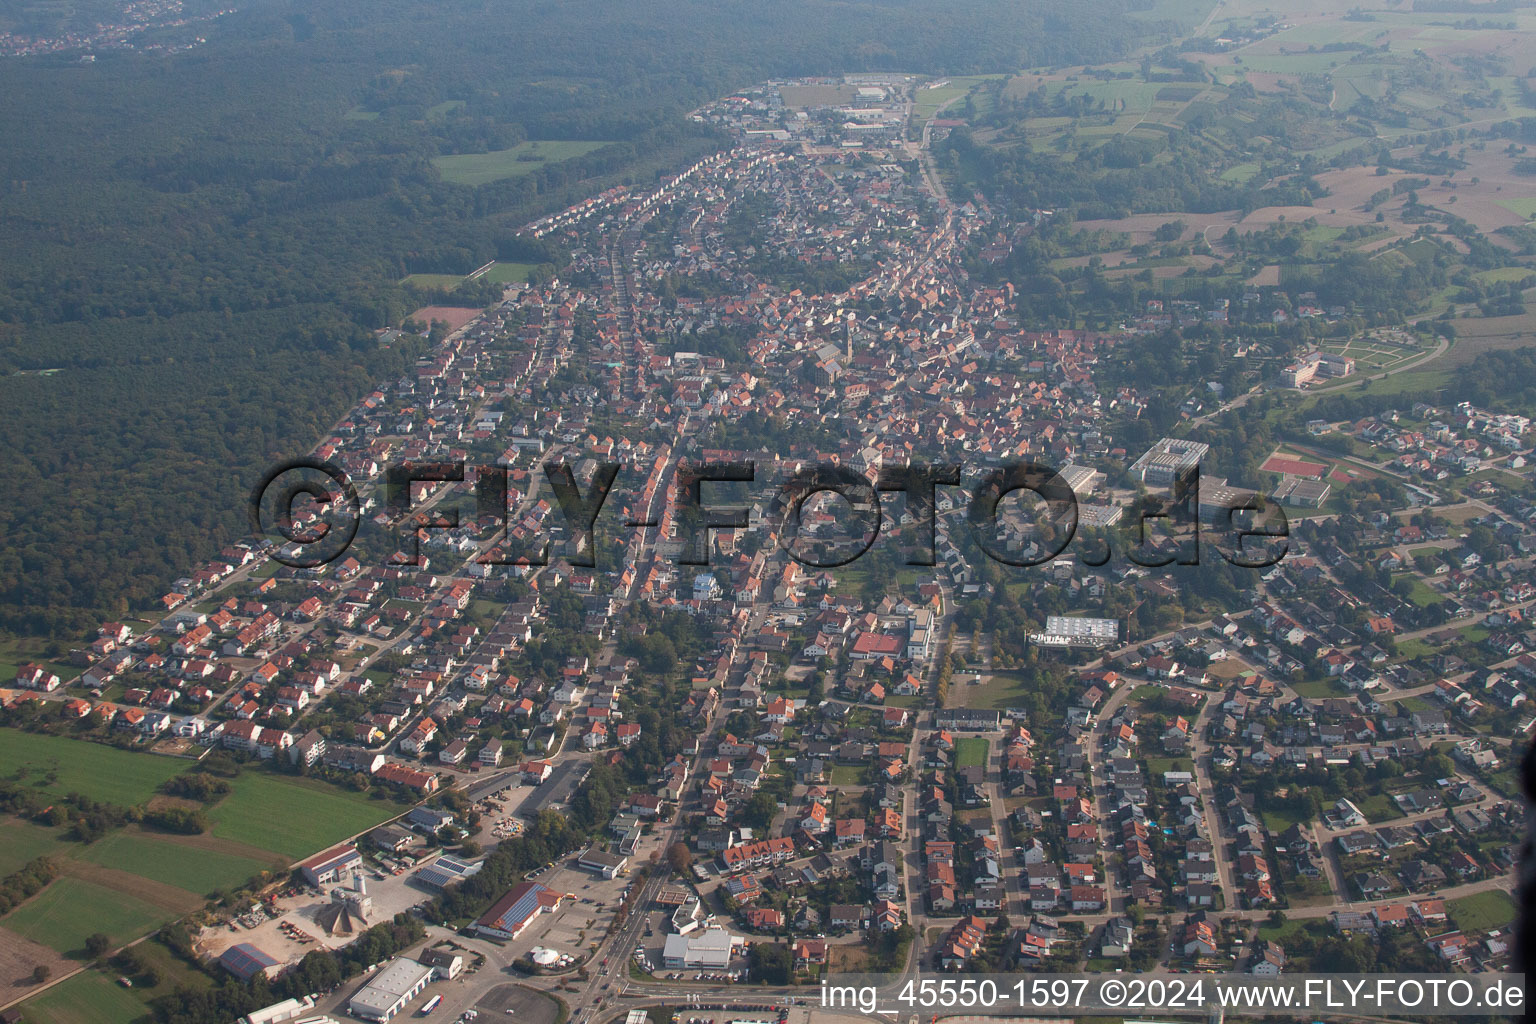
(483, 168)
(57, 766)
(262, 812)
(1477, 335)
(172, 862)
(62, 915)
(95, 996)
(926, 102)
(26, 842)
(88, 998)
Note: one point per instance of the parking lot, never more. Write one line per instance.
(582, 921)
(520, 1004)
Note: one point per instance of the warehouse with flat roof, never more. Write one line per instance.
(601, 862)
(390, 990)
(1076, 631)
(710, 948)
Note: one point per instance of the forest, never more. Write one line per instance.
(197, 249)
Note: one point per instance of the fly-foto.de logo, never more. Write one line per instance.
(1152, 530)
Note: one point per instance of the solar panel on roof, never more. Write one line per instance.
(245, 960)
(525, 907)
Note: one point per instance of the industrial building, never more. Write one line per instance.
(300, 1011)
(1077, 631)
(347, 913)
(446, 870)
(601, 862)
(330, 865)
(390, 990)
(245, 962)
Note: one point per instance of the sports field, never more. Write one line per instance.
(449, 281)
(499, 164)
(508, 273)
(1293, 467)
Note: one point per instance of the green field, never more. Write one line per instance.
(996, 690)
(1240, 173)
(95, 996)
(1156, 766)
(87, 998)
(971, 752)
(926, 102)
(1482, 911)
(1422, 593)
(1279, 821)
(293, 817)
(17, 651)
(1501, 274)
(70, 909)
(524, 158)
(25, 841)
(509, 273)
(1121, 94)
(1525, 207)
(58, 766)
(449, 281)
(1378, 807)
(1318, 688)
(198, 871)
(847, 775)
